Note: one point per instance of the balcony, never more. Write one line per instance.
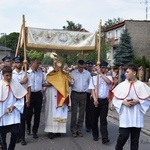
(113, 41)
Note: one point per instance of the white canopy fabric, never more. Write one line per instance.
(59, 40)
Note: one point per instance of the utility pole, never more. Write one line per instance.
(146, 3)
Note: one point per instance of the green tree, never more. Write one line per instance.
(124, 52)
(10, 39)
(141, 62)
(35, 54)
(112, 22)
(72, 26)
(47, 61)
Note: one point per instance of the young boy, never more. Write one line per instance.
(11, 105)
(131, 100)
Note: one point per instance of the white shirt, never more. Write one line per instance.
(19, 77)
(103, 86)
(14, 116)
(80, 81)
(37, 80)
(131, 116)
(0, 75)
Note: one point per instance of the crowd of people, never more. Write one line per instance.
(89, 91)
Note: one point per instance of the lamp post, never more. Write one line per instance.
(5, 40)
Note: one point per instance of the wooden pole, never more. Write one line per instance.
(19, 39)
(24, 45)
(25, 58)
(98, 62)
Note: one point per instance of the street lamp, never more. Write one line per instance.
(5, 40)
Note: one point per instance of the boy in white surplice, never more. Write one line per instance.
(11, 105)
(131, 100)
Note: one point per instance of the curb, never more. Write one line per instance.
(145, 131)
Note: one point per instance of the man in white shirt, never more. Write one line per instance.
(131, 100)
(20, 76)
(37, 80)
(79, 86)
(100, 108)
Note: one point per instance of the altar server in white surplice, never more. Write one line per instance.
(11, 105)
(131, 100)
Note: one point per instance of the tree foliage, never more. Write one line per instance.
(141, 62)
(35, 54)
(124, 53)
(10, 40)
(47, 61)
(72, 26)
(112, 22)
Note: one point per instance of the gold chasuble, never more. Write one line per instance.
(60, 80)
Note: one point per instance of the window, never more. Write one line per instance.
(109, 34)
(117, 34)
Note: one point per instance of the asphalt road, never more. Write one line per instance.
(67, 142)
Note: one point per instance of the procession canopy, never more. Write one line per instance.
(59, 41)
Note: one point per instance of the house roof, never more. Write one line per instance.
(3, 48)
(115, 26)
(122, 24)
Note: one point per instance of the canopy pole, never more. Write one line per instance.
(19, 39)
(24, 44)
(83, 55)
(98, 62)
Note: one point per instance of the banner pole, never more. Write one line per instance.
(98, 62)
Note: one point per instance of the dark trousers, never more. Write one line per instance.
(100, 111)
(22, 123)
(34, 108)
(77, 100)
(88, 115)
(14, 133)
(124, 135)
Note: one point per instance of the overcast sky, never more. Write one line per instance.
(53, 14)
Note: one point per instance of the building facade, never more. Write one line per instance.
(140, 38)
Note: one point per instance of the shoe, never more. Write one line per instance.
(80, 134)
(23, 142)
(74, 134)
(104, 141)
(35, 136)
(50, 135)
(18, 140)
(58, 134)
(88, 130)
(95, 139)
(28, 131)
